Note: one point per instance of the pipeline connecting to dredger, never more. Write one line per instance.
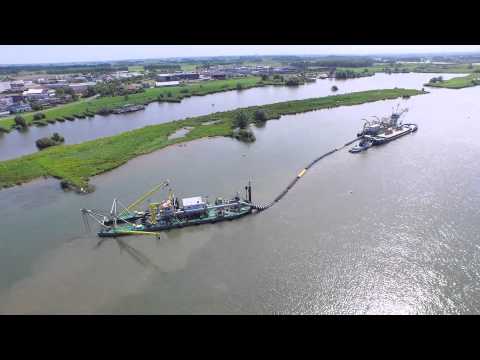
(171, 213)
(300, 174)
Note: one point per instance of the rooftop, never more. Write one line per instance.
(197, 200)
(32, 91)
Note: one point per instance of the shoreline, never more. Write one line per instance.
(75, 164)
(86, 106)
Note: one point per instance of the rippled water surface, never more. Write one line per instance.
(391, 230)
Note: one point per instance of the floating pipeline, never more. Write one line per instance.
(260, 208)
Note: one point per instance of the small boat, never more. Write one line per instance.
(363, 145)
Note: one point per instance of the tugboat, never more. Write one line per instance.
(169, 214)
(363, 145)
(381, 131)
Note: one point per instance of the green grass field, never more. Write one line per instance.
(419, 68)
(77, 163)
(177, 94)
(457, 82)
(136, 68)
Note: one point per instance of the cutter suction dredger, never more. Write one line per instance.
(168, 214)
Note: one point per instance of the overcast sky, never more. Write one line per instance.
(28, 54)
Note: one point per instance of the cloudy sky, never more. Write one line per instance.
(28, 54)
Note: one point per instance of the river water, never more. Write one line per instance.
(391, 230)
(20, 143)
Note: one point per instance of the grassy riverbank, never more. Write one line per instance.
(167, 94)
(457, 82)
(77, 163)
(416, 68)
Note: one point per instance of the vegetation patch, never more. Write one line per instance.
(456, 82)
(78, 162)
(245, 135)
(55, 139)
(39, 123)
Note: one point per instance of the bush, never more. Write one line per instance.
(239, 86)
(4, 130)
(20, 121)
(436, 79)
(36, 107)
(293, 82)
(260, 117)
(169, 94)
(264, 77)
(183, 91)
(39, 116)
(39, 123)
(57, 137)
(103, 111)
(245, 135)
(45, 142)
(241, 120)
(334, 88)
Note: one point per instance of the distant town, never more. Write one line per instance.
(30, 88)
(35, 92)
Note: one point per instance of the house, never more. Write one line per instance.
(134, 87)
(188, 76)
(57, 85)
(16, 98)
(80, 88)
(17, 85)
(178, 76)
(5, 102)
(219, 76)
(79, 79)
(166, 77)
(167, 83)
(34, 94)
(20, 107)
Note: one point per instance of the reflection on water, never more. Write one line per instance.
(20, 143)
(390, 230)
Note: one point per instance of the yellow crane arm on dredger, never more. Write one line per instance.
(142, 198)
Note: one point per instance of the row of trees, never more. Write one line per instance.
(22, 123)
(436, 79)
(111, 88)
(348, 74)
(334, 62)
(242, 119)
